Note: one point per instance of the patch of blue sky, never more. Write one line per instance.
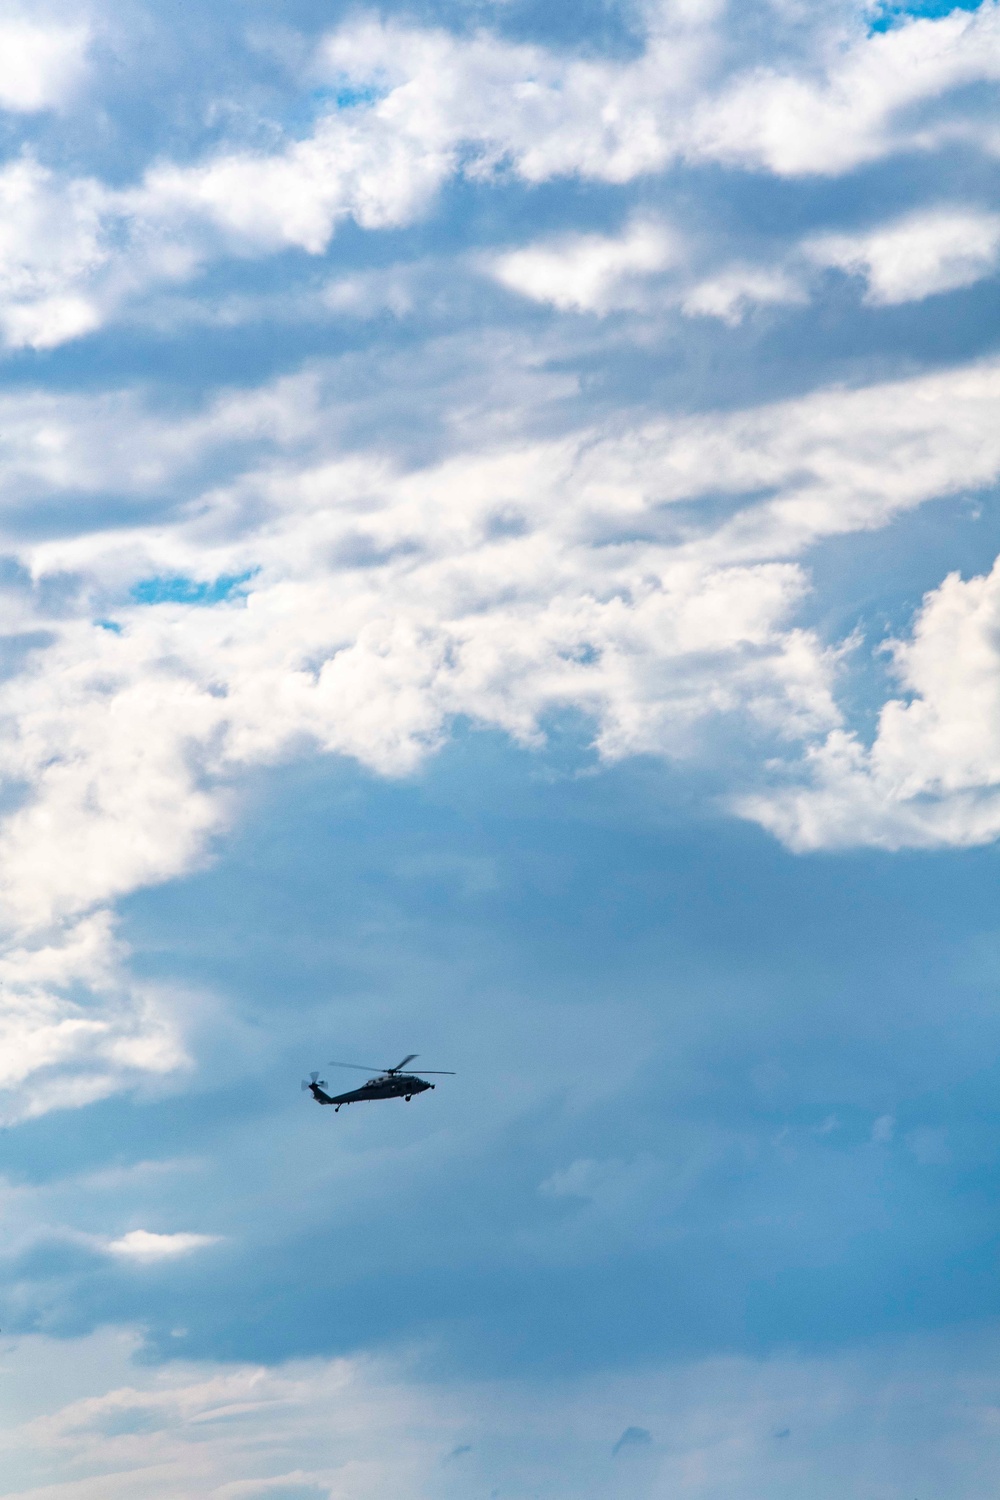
(890, 15)
(347, 96)
(176, 589)
(299, 112)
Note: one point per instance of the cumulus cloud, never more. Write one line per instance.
(932, 774)
(372, 171)
(589, 272)
(40, 61)
(74, 1028)
(864, 98)
(930, 251)
(593, 273)
(649, 267)
(734, 290)
(51, 246)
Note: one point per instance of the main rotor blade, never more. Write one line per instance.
(438, 1072)
(408, 1058)
(333, 1063)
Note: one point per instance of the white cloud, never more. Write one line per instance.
(546, 114)
(842, 99)
(730, 293)
(145, 1247)
(369, 293)
(932, 775)
(51, 244)
(857, 99)
(40, 62)
(371, 171)
(596, 273)
(933, 250)
(589, 272)
(73, 1027)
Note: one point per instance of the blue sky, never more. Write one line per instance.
(500, 561)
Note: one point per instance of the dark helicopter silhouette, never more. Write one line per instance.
(391, 1083)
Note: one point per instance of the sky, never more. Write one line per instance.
(501, 561)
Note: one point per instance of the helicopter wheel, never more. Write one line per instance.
(408, 1098)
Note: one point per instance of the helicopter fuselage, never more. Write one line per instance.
(385, 1086)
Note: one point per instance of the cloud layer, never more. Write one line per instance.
(370, 605)
(374, 604)
(405, 110)
(312, 1430)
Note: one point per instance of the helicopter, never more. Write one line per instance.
(390, 1083)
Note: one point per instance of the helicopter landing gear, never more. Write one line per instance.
(408, 1098)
